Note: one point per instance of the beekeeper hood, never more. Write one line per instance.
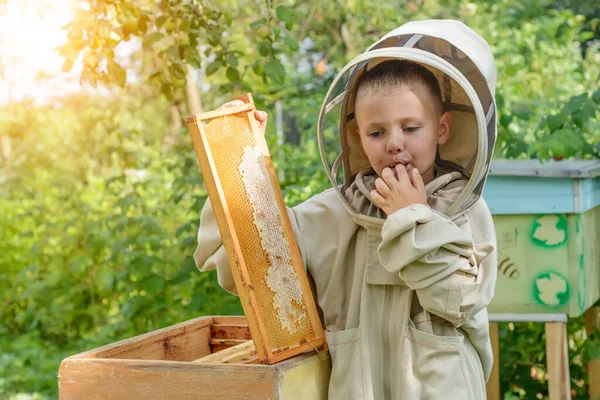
(462, 62)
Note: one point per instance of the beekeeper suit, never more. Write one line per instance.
(403, 297)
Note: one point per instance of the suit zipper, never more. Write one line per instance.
(385, 338)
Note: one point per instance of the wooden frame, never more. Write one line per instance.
(255, 315)
(160, 365)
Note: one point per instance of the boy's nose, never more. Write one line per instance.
(395, 143)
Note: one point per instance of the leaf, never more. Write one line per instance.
(596, 96)
(198, 299)
(264, 48)
(499, 101)
(130, 308)
(118, 73)
(154, 284)
(178, 71)
(192, 56)
(190, 240)
(285, 14)
(291, 43)
(259, 22)
(166, 90)
(213, 67)
(505, 120)
(90, 59)
(573, 105)
(150, 39)
(232, 61)
(164, 43)
(183, 39)
(581, 117)
(259, 68)
(275, 70)
(160, 21)
(556, 147)
(555, 122)
(172, 53)
(67, 65)
(185, 25)
(143, 23)
(184, 273)
(233, 75)
(522, 113)
(69, 52)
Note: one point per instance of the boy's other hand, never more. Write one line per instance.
(392, 194)
(260, 116)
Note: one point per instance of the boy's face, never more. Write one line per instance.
(401, 128)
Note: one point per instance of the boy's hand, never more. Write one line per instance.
(260, 116)
(392, 194)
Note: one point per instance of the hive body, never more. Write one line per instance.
(257, 234)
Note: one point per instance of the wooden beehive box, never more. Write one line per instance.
(160, 365)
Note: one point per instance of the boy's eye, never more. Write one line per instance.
(376, 133)
(411, 128)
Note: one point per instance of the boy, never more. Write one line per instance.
(403, 253)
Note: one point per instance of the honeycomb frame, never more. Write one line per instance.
(281, 312)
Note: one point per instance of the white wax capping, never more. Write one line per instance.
(281, 276)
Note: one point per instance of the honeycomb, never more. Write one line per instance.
(242, 167)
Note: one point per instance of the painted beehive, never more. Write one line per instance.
(256, 232)
(547, 219)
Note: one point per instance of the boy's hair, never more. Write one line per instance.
(388, 75)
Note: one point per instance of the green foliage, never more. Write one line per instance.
(170, 32)
(99, 241)
(571, 132)
(523, 359)
(100, 202)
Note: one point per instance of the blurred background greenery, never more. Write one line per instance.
(100, 189)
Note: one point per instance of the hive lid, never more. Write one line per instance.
(548, 169)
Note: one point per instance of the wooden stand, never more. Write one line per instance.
(592, 323)
(493, 385)
(557, 360)
(204, 358)
(559, 384)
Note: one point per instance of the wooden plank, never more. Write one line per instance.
(222, 356)
(559, 381)
(230, 332)
(182, 342)
(220, 347)
(592, 323)
(227, 342)
(285, 354)
(222, 112)
(106, 379)
(493, 385)
(230, 320)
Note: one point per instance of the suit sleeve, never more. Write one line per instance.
(450, 264)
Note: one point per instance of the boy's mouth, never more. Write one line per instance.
(403, 163)
(393, 168)
(406, 165)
